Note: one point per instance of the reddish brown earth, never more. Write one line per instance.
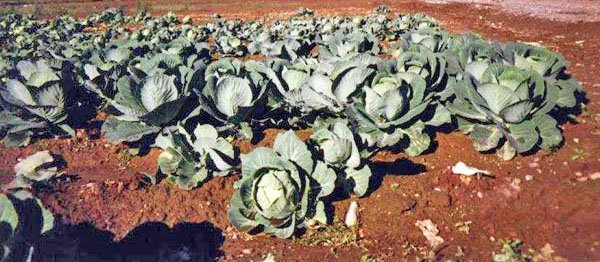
(553, 207)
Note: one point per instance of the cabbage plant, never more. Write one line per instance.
(24, 220)
(306, 12)
(189, 159)
(507, 109)
(281, 189)
(392, 110)
(430, 66)
(104, 69)
(468, 53)
(341, 47)
(36, 103)
(333, 91)
(550, 65)
(286, 49)
(431, 39)
(146, 103)
(285, 98)
(382, 10)
(37, 168)
(234, 93)
(338, 144)
(231, 45)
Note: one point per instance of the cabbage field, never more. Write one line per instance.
(198, 98)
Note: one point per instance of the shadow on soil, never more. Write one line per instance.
(400, 167)
(151, 241)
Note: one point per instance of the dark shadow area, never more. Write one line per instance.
(29, 227)
(257, 136)
(400, 167)
(433, 145)
(566, 115)
(445, 128)
(94, 128)
(152, 241)
(59, 162)
(54, 184)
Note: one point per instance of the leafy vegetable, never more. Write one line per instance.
(39, 167)
(510, 103)
(341, 152)
(234, 91)
(26, 220)
(281, 188)
(189, 159)
(148, 103)
(35, 103)
(392, 109)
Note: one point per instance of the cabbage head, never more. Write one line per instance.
(281, 189)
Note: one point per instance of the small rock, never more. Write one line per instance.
(465, 180)
(80, 133)
(528, 177)
(247, 251)
(479, 194)
(547, 254)
(94, 188)
(515, 184)
(463, 226)
(592, 176)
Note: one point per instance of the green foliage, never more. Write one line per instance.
(362, 84)
(24, 220)
(281, 188)
(190, 158)
(39, 167)
(510, 103)
(147, 104)
(338, 144)
(35, 103)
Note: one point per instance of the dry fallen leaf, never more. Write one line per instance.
(430, 231)
(462, 169)
(352, 215)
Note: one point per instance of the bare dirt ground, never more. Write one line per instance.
(537, 198)
(558, 10)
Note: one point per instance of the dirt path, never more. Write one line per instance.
(535, 198)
